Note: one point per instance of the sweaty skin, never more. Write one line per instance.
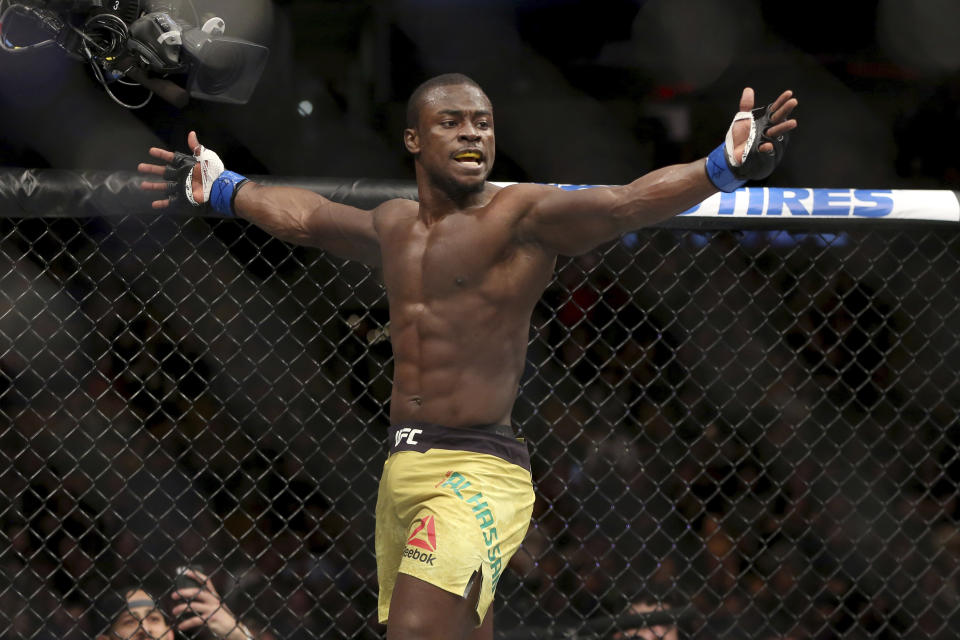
(460, 288)
(461, 293)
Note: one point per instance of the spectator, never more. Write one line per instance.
(654, 631)
(137, 615)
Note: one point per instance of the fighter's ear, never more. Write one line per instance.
(411, 140)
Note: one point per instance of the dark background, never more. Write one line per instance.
(584, 92)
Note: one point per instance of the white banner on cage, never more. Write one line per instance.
(831, 204)
(899, 204)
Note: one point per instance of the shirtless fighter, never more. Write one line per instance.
(463, 269)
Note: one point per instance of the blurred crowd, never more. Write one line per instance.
(782, 465)
(785, 463)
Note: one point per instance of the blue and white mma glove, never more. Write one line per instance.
(728, 171)
(219, 186)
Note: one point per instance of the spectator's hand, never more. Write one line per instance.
(780, 111)
(201, 606)
(169, 171)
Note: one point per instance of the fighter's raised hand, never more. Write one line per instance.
(185, 185)
(755, 141)
(777, 123)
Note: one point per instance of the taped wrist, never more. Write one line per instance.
(224, 192)
(720, 172)
(184, 169)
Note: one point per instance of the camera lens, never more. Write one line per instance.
(221, 65)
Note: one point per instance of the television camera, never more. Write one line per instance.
(139, 42)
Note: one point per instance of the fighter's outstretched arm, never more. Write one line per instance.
(573, 222)
(295, 215)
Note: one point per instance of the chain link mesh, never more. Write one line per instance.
(756, 430)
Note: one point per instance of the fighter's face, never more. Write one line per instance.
(454, 141)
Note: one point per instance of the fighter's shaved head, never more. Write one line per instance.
(444, 80)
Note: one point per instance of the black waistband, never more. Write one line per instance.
(496, 440)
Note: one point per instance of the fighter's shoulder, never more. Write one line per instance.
(393, 210)
(520, 196)
(522, 190)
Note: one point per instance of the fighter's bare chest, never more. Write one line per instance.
(446, 257)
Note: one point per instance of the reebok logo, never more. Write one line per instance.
(424, 535)
(425, 558)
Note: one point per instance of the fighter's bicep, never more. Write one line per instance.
(345, 231)
(571, 222)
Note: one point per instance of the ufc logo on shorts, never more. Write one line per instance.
(407, 434)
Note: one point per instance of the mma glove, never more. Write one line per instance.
(220, 187)
(728, 171)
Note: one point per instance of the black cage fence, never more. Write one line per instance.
(749, 433)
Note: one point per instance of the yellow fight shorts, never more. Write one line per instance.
(452, 501)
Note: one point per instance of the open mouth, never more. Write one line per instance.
(470, 157)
